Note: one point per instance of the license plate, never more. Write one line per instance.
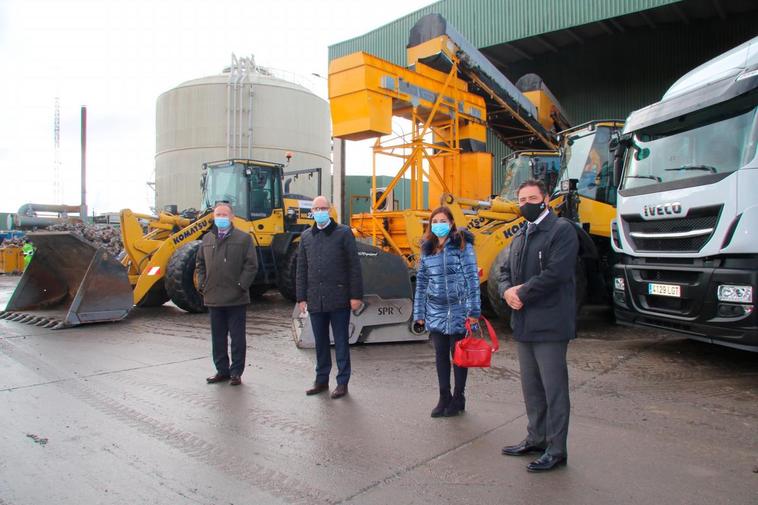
(664, 290)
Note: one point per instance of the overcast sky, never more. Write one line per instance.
(117, 56)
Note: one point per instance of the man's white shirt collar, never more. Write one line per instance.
(542, 216)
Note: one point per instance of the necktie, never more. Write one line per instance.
(530, 227)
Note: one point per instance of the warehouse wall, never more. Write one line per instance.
(489, 22)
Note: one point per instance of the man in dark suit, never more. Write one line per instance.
(538, 283)
(226, 267)
(329, 286)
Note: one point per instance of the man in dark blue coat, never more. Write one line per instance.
(538, 283)
(329, 286)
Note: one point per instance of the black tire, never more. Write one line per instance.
(288, 274)
(494, 297)
(156, 297)
(180, 279)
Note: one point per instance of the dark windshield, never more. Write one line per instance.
(588, 159)
(226, 183)
(715, 148)
(521, 168)
(254, 191)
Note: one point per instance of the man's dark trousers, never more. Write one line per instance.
(544, 381)
(229, 321)
(340, 321)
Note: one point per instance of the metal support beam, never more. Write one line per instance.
(546, 44)
(571, 33)
(617, 25)
(338, 180)
(605, 27)
(681, 14)
(719, 8)
(519, 52)
(648, 21)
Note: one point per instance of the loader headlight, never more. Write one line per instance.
(739, 294)
(619, 283)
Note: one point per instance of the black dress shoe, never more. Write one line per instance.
(217, 378)
(546, 462)
(524, 447)
(317, 388)
(339, 391)
(236, 380)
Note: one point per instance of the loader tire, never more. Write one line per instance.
(156, 297)
(288, 274)
(494, 297)
(180, 279)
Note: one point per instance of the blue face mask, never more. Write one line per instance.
(441, 229)
(321, 217)
(222, 223)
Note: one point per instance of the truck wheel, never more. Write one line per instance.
(156, 297)
(180, 279)
(288, 274)
(495, 299)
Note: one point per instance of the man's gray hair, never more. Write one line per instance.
(224, 204)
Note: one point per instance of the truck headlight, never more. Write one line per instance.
(739, 294)
(619, 283)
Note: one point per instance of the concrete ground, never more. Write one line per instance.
(120, 413)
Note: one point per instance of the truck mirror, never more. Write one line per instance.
(618, 164)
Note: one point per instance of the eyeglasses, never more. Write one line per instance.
(316, 209)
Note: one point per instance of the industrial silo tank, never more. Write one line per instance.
(249, 114)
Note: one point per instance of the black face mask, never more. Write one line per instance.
(531, 211)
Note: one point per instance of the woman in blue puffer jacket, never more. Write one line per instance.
(447, 293)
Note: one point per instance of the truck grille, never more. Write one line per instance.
(685, 234)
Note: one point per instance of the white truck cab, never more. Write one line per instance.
(686, 226)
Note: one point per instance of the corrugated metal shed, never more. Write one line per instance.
(489, 22)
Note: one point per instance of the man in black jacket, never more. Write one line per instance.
(329, 286)
(537, 282)
(226, 267)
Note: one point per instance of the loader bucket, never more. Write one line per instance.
(387, 312)
(69, 282)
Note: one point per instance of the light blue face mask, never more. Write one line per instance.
(222, 223)
(441, 229)
(321, 217)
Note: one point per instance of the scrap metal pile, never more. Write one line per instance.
(107, 237)
(12, 242)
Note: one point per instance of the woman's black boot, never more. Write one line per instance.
(445, 399)
(457, 404)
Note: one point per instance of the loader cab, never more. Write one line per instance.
(587, 157)
(521, 166)
(253, 188)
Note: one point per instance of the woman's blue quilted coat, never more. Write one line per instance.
(447, 286)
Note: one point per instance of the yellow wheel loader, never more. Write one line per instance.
(70, 281)
(579, 178)
(160, 252)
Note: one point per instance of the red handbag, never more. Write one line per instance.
(474, 351)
